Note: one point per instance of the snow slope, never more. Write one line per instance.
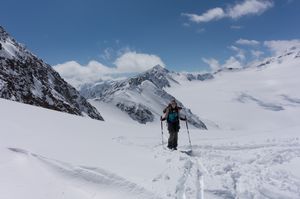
(72, 157)
(250, 150)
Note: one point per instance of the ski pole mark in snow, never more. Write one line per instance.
(95, 178)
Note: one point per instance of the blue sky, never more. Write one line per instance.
(181, 33)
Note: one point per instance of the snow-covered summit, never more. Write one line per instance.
(286, 56)
(142, 97)
(158, 75)
(26, 78)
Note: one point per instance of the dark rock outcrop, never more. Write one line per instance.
(27, 79)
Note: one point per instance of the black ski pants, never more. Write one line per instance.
(173, 131)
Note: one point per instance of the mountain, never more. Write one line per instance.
(287, 56)
(254, 152)
(26, 78)
(142, 97)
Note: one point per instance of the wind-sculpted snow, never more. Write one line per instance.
(293, 100)
(98, 180)
(269, 106)
(27, 79)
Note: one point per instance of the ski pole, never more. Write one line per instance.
(187, 128)
(162, 132)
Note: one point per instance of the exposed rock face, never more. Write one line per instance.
(201, 77)
(142, 97)
(27, 79)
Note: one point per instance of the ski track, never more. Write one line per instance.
(186, 170)
(96, 177)
(253, 171)
(228, 170)
(254, 176)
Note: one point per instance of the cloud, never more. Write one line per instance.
(186, 25)
(137, 62)
(129, 62)
(256, 53)
(240, 52)
(278, 47)
(236, 27)
(212, 14)
(252, 53)
(247, 42)
(213, 63)
(77, 74)
(107, 54)
(249, 7)
(201, 30)
(232, 62)
(245, 8)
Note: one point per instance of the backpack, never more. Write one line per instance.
(173, 116)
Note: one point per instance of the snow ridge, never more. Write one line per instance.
(100, 178)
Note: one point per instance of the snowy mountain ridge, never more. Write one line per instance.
(143, 96)
(254, 152)
(289, 54)
(27, 79)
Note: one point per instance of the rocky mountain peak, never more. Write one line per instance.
(3, 33)
(26, 78)
(158, 69)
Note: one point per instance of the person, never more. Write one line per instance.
(172, 115)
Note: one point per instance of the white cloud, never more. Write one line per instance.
(107, 54)
(137, 62)
(212, 14)
(247, 42)
(77, 74)
(129, 62)
(247, 7)
(257, 53)
(213, 63)
(236, 27)
(240, 52)
(186, 24)
(201, 30)
(280, 46)
(232, 62)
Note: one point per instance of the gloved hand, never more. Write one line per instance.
(184, 119)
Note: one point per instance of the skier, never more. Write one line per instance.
(172, 115)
